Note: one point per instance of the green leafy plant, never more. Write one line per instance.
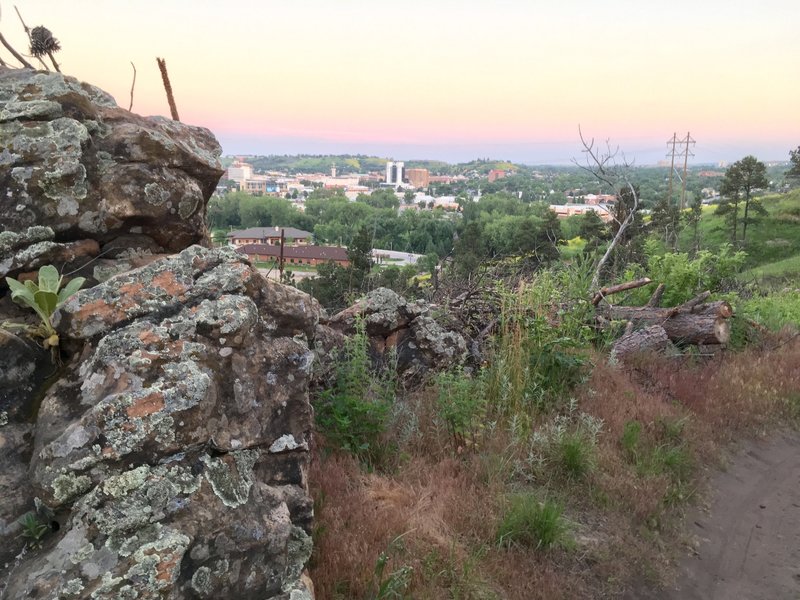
(43, 297)
(32, 528)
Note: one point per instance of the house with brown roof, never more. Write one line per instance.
(269, 235)
(295, 255)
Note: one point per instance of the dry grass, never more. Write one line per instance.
(446, 502)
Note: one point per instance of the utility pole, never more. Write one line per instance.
(673, 141)
(686, 154)
(280, 264)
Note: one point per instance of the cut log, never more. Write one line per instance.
(686, 324)
(687, 328)
(620, 287)
(651, 315)
(653, 338)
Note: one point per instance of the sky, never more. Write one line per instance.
(447, 79)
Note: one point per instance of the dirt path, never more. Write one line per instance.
(748, 539)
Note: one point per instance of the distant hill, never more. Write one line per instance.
(359, 163)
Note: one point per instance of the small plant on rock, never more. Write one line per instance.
(33, 529)
(43, 297)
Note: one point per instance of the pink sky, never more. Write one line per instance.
(448, 79)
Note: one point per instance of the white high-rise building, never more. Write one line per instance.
(394, 172)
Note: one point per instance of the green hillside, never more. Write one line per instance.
(773, 243)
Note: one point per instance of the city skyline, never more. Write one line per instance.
(445, 80)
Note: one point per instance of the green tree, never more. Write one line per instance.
(794, 165)
(740, 182)
(692, 218)
(665, 219)
(592, 229)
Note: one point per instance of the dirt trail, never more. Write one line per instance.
(748, 540)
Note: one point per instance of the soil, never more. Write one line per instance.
(745, 544)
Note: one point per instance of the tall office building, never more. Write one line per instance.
(394, 172)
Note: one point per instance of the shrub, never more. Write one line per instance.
(354, 414)
(685, 277)
(532, 523)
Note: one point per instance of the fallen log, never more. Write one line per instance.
(653, 338)
(689, 323)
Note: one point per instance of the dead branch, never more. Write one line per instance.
(133, 85)
(162, 65)
(41, 42)
(689, 305)
(16, 54)
(621, 287)
(603, 166)
(30, 41)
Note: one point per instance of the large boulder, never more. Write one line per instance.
(402, 331)
(171, 457)
(73, 161)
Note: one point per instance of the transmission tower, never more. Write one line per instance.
(686, 154)
(673, 141)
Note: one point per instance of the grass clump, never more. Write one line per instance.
(532, 523)
(461, 405)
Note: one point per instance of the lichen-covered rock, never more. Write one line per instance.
(72, 160)
(382, 312)
(392, 325)
(173, 454)
(25, 252)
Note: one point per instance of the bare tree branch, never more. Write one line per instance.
(133, 85)
(162, 65)
(604, 166)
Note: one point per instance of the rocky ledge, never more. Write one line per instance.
(170, 458)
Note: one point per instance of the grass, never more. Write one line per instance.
(518, 483)
(532, 523)
(784, 271)
(771, 240)
(286, 266)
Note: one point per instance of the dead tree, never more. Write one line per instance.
(613, 174)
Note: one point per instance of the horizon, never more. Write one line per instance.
(445, 80)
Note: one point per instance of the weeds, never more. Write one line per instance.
(529, 522)
(354, 414)
(564, 447)
(391, 585)
(461, 404)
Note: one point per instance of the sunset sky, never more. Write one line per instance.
(451, 80)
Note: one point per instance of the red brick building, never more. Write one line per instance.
(295, 255)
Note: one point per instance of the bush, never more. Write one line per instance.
(532, 523)
(354, 414)
(685, 277)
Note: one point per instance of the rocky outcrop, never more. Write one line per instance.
(73, 161)
(171, 457)
(408, 330)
